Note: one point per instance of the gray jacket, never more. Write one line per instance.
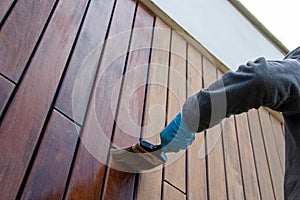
(273, 84)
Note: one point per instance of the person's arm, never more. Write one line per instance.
(273, 84)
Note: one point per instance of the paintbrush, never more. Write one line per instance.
(139, 157)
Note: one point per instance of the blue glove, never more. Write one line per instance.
(176, 136)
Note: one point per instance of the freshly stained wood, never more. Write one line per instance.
(20, 33)
(175, 171)
(120, 185)
(279, 139)
(155, 107)
(261, 162)
(6, 88)
(78, 82)
(49, 173)
(88, 173)
(4, 7)
(272, 155)
(232, 160)
(172, 193)
(196, 167)
(29, 108)
(54, 77)
(250, 180)
(215, 158)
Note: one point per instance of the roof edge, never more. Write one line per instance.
(259, 26)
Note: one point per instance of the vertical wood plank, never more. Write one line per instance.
(272, 155)
(89, 167)
(155, 107)
(196, 177)
(232, 160)
(29, 108)
(20, 34)
(77, 85)
(262, 167)
(215, 158)
(247, 159)
(4, 7)
(172, 193)
(6, 88)
(279, 139)
(49, 172)
(120, 185)
(175, 171)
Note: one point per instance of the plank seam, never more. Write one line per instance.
(101, 196)
(166, 181)
(28, 62)
(256, 168)
(239, 153)
(267, 156)
(167, 103)
(205, 136)
(41, 136)
(7, 13)
(187, 151)
(224, 159)
(136, 182)
(66, 116)
(78, 142)
(276, 143)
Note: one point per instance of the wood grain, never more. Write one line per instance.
(120, 185)
(279, 139)
(6, 89)
(77, 85)
(155, 107)
(215, 157)
(52, 163)
(272, 155)
(250, 180)
(175, 170)
(88, 174)
(172, 193)
(20, 33)
(262, 168)
(232, 160)
(28, 110)
(196, 172)
(4, 7)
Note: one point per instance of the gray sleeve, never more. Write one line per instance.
(273, 84)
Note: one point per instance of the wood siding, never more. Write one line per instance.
(70, 72)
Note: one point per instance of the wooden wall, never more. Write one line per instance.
(50, 138)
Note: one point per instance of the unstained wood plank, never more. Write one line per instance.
(89, 167)
(155, 107)
(6, 89)
(279, 139)
(175, 171)
(30, 106)
(232, 160)
(20, 33)
(172, 193)
(250, 180)
(52, 163)
(261, 161)
(77, 85)
(272, 155)
(196, 166)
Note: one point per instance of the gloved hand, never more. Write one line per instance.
(176, 136)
